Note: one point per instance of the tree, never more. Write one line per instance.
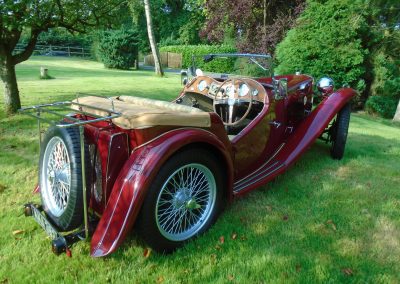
(253, 25)
(35, 17)
(174, 22)
(153, 45)
(354, 41)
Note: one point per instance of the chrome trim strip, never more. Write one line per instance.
(258, 179)
(263, 171)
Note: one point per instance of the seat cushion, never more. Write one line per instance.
(142, 113)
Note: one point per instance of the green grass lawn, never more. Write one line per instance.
(322, 221)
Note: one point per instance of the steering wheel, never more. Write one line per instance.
(232, 94)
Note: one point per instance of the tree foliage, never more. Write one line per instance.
(326, 41)
(174, 22)
(35, 17)
(254, 25)
(344, 39)
(217, 65)
(118, 48)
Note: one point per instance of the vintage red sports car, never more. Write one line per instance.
(167, 169)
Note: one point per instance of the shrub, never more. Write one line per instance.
(385, 88)
(327, 41)
(384, 106)
(219, 65)
(118, 48)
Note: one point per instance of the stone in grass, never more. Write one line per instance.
(44, 74)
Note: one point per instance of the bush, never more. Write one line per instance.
(219, 65)
(327, 41)
(384, 106)
(118, 48)
(385, 88)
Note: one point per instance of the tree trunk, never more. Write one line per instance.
(397, 114)
(154, 49)
(265, 18)
(11, 94)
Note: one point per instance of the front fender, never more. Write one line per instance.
(134, 180)
(303, 137)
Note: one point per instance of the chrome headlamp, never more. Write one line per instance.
(325, 85)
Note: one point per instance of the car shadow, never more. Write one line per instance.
(321, 214)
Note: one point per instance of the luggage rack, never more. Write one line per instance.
(60, 242)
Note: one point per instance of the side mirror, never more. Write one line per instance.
(184, 77)
(280, 88)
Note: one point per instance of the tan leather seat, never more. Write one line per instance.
(142, 113)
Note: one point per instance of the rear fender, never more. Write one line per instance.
(134, 180)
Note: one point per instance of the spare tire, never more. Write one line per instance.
(60, 177)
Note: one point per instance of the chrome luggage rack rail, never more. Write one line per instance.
(67, 120)
(54, 108)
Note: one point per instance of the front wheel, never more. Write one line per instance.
(183, 202)
(339, 132)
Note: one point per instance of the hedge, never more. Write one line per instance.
(219, 65)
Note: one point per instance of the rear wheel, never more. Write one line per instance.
(60, 177)
(183, 201)
(339, 132)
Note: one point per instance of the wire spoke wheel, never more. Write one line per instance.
(56, 178)
(60, 176)
(185, 202)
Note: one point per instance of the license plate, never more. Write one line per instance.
(44, 223)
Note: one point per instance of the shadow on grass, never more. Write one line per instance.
(317, 222)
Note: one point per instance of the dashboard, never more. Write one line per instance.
(240, 88)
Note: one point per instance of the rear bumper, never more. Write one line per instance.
(60, 243)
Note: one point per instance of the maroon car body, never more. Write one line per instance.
(277, 133)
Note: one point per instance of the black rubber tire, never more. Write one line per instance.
(72, 217)
(339, 132)
(146, 224)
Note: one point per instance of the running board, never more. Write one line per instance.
(257, 177)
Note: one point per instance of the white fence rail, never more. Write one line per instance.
(54, 50)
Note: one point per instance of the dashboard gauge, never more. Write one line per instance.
(255, 92)
(243, 90)
(213, 88)
(202, 85)
(230, 91)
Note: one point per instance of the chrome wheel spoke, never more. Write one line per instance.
(185, 202)
(56, 176)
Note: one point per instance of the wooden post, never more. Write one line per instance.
(69, 52)
(44, 73)
(397, 114)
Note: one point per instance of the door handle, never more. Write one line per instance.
(275, 123)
